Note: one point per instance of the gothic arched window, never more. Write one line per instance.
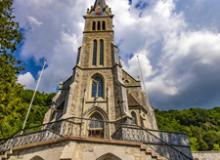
(96, 125)
(99, 25)
(101, 52)
(134, 117)
(103, 25)
(93, 26)
(97, 86)
(94, 58)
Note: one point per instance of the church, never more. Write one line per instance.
(100, 111)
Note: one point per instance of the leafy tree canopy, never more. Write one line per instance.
(201, 125)
(10, 102)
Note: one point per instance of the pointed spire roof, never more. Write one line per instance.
(100, 8)
(100, 3)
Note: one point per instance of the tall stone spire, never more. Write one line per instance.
(100, 8)
(100, 3)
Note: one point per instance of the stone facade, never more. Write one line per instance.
(84, 149)
(100, 111)
(87, 150)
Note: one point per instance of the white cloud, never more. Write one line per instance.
(177, 60)
(141, 62)
(34, 21)
(53, 30)
(27, 80)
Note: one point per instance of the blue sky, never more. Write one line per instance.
(176, 40)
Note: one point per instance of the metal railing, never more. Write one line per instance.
(175, 146)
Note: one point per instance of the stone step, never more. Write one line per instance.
(149, 151)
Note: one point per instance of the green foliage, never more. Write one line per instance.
(40, 106)
(14, 120)
(14, 100)
(9, 29)
(10, 102)
(201, 125)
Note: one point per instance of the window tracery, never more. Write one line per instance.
(96, 125)
(97, 86)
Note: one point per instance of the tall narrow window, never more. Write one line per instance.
(99, 25)
(97, 86)
(101, 52)
(103, 25)
(134, 118)
(93, 26)
(78, 57)
(94, 58)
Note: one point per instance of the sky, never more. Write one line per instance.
(177, 41)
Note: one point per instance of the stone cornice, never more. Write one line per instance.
(87, 16)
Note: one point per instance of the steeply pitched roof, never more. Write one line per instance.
(132, 101)
(101, 3)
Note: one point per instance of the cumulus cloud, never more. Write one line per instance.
(180, 61)
(27, 80)
(140, 62)
(189, 76)
(53, 30)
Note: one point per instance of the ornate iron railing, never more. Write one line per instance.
(175, 145)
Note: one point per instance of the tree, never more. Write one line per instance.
(10, 102)
(201, 125)
(9, 29)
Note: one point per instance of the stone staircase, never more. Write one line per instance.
(6, 155)
(151, 153)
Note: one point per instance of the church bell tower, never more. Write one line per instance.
(100, 112)
(99, 88)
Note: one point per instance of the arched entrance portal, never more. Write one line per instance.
(109, 156)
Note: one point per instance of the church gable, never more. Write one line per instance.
(132, 102)
(129, 80)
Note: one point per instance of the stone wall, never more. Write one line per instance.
(212, 155)
(79, 150)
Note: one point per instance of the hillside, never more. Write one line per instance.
(201, 125)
